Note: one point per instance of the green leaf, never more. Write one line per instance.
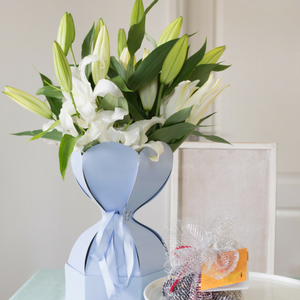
(137, 64)
(135, 36)
(137, 31)
(174, 132)
(203, 119)
(175, 145)
(136, 112)
(90, 145)
(219, 68)
(65, 150)
(134, 105)
(54, 135)
(187, 69)
(150, 6)
(120, 83)
(110, 102)
(212, 138)
(150, 39)
(178, 117)
(50, 91)
(86, 49)
(115, 68)
(190, 35)
(39, 135)
(55, 104)
(202, 73)
(150, 66)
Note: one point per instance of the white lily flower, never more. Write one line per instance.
(176, 100)
(144, 126)
(103, 121)
(98, 128)
(121, 136)
(135, 136)
(186, 94)
(105, 86)
(203, 98)
(84, 97)
(48, 124)
(157, 146)
(67, 123)
(82, 141)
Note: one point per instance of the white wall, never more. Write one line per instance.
(41, 216)
(262, 103)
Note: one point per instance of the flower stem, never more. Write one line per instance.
(73, 101)
(159, 99)
(75, 65)
(131, 120)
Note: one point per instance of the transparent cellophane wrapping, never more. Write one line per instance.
(193, 251)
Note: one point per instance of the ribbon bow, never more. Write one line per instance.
(115, 249)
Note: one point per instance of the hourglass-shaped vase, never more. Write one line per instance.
(117, 257)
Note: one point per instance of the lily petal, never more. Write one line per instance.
(124, 137)
(144, 126)
(104, 87)
(82, 141)
(67, 123)
(196, 97)
(177, 99)
(82, 92)
(103, 121)
(87, 60)
(157, 146)
(48, 124)
(201, 109)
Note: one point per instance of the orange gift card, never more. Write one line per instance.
(238, 275)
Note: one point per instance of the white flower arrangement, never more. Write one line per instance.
(160, 98)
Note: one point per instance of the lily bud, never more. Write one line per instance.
(174, 61)
(28, 102)
(171, 32)
(102, 49)
(125, 57)
(148, 92)
(212, 56)
(64, 34)
(121, 43)
(137, 12)
(97, 30)
(72, 29)
(62, 68)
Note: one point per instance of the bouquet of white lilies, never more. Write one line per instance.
(159, 98)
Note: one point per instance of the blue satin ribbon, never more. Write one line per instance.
(115, 247)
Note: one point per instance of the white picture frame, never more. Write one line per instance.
(267, 164)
